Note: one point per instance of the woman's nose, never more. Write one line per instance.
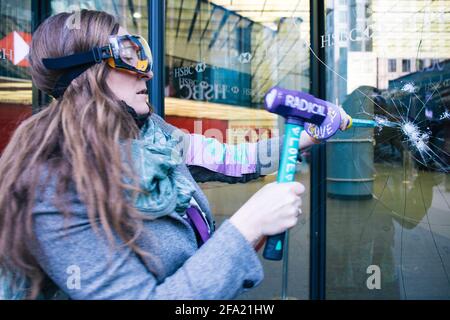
(147, 76)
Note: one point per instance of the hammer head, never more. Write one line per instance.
(296, 106)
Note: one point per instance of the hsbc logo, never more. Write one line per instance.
(245, 57)
(189, 70)
(200, 67)
(15, 47)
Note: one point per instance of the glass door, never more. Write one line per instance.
(388, 184)
(221, 59)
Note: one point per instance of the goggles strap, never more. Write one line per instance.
(74, 65)
(65, 80)
(96, 55)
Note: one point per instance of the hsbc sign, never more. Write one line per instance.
(15, 48)
(189, 70)
(202, 82)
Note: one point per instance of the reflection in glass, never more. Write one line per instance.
(221, 59)
(132, 15)
(15, 82)
(388, 187)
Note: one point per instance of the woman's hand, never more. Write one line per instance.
(345, 119)
(272, 210)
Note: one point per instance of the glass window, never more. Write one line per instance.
(406, 65)
(222, 57)
(343, 16)
(388, 187)
(392, 65)
(420, 64)
(133, 14)
(15, 81)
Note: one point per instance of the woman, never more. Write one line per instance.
(96, 202)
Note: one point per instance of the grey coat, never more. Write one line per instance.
(223, 268)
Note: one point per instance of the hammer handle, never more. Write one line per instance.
(286, 173)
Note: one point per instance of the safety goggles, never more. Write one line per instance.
(128, 52)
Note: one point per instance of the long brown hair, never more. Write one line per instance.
(76, 138)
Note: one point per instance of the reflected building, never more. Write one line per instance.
(389, 59)
(228, 54)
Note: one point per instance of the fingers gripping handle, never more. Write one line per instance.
(286, 173)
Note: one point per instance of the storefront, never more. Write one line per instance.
(376, 213)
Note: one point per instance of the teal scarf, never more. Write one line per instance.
(156, 160)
